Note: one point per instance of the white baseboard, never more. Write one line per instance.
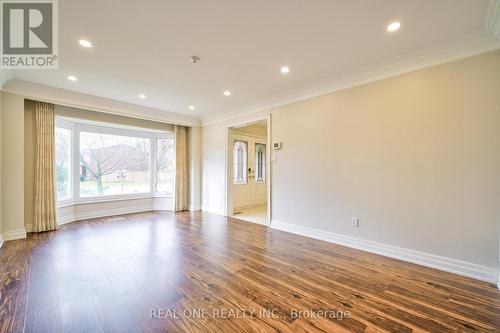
(194, 208)
(460, 267)
(1, 240)
(214, 211)
(14, 234)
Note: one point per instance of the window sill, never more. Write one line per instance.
(86, 201)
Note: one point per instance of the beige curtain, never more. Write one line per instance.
(181, 169)
(45, 196)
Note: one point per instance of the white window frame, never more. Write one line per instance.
(69, 126)
(78, 127)
(158, 137)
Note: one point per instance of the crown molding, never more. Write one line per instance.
(468, 46)
(492, 21)
(65, 97)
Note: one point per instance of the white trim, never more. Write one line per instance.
(426, 259)
(103, 213)
(1, 240)
(492, 21)
(468, 46)
(213, 211)
(108, 198)
(153, 206)
(195, 208)
(14, 234)
(169, 205)
(249, 220)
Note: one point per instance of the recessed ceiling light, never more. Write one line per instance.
(72, 78)
(85, 43)
(285, 69)
(191, 107)
(227, 93)
(142, 96)
(394, 26)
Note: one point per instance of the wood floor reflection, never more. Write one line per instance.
(199, 272)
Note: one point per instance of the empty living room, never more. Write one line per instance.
(249, 166)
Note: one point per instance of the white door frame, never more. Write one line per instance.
(228, 209)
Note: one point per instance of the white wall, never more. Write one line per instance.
(415, 157)
(213, 168)
(12, 166)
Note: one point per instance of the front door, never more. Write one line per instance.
(249, 171)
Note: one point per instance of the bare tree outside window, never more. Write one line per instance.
(112, 164)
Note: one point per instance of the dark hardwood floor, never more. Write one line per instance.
(199, 272)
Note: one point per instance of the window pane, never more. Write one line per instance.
(113, 164)
(240, 162)
(63, 163)
(165, 163)
(260, 162)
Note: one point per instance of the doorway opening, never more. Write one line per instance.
(248, 176)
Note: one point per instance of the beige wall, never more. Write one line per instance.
(415, 157)
(29, 161)
(259, 130)
(12, 165)
(101, 117)
(194, 155)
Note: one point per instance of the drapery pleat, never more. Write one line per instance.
(44, 187)
(181, 169)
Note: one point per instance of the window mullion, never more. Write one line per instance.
(76, 162)
(152, 167)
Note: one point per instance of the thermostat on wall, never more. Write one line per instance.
(277, 145)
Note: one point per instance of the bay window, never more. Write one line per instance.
(97, 162)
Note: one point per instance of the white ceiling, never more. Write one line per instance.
(144, 46)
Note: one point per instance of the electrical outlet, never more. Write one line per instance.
(355, 222)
